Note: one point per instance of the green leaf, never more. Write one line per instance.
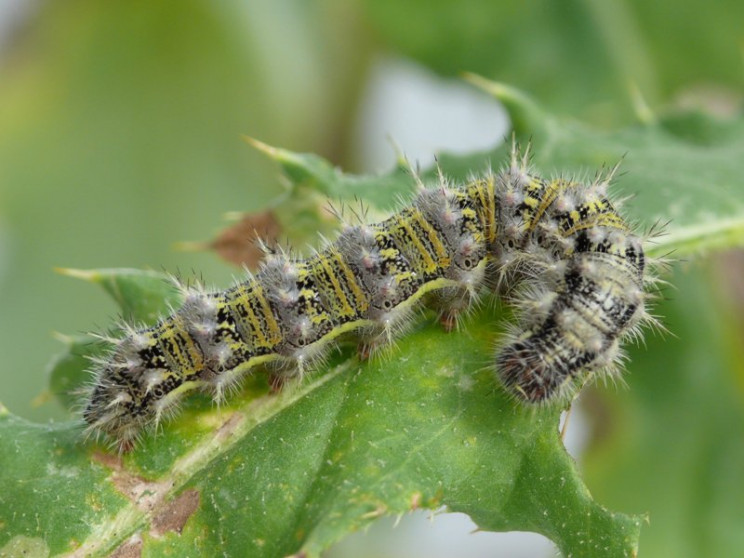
(682, 170)
(315, 190)
(673, 443)
(142, 296)
(306, 171)
(68, 370)
(583, 57)
(420, 428)
(424, 426)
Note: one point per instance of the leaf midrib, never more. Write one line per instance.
(108, 535)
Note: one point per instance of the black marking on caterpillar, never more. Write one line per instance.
(577, 268)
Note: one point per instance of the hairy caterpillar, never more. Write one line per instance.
(579, 268)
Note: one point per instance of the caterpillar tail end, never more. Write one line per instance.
(526, 375)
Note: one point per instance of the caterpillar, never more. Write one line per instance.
(556, 247)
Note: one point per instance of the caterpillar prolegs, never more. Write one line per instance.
(557, 248)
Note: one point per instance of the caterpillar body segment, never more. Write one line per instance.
(556, 248)
(592, 288)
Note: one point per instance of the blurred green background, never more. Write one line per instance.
(120, 128)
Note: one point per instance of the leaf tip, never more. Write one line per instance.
(641, 109)
(42, 398)
(295, 166)
(260, 146)
(276, 153)
(526, 115)
(89, 275)
(190, 246)
(62, 337)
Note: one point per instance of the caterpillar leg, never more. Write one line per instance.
(449, 321)
(453, 303)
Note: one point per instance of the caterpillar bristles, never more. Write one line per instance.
(556, 249)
